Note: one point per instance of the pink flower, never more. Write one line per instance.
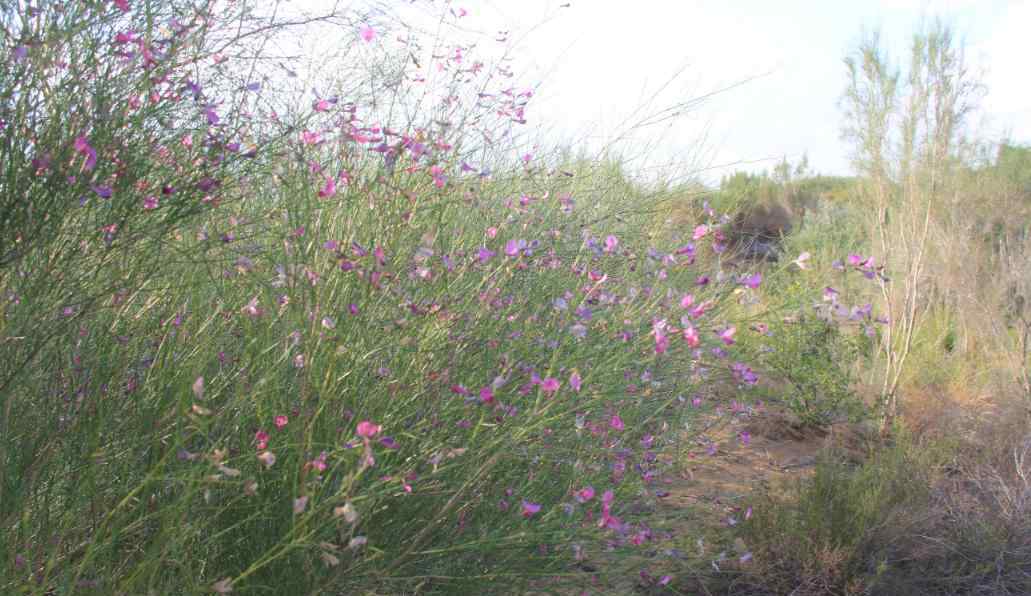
(700, 232)
(585, 494)
(329, 188)
(252, 309)
(150, 202)
(322, 105)
(801, 260)
(367, 429)
(691, 336)
(575, 381)
(280, 421)
(661, 339)
(486, 395)
(687, 301)
(616, 422)
(727, 335)
(123, 5)
(611, 243)
(368, 33)
(550, 385)
(530, 509)
(262, 438)
(439, 179)
(81, 145)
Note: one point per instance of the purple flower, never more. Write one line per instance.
(389, 443)
(574, 381)
(82, 145)
(484, 254)
(530, 509)
(752, 281)
(513, 247)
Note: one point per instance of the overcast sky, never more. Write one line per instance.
(598, 60)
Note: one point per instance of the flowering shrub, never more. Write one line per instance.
(260, 339)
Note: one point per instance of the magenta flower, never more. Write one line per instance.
(329, 188)
(691, 336)
(368, 33)
(727, 335)
(150, 202)
(616, 422)
(611, 243)
(530, 509)
(281, 421)
(687, 301)
(550, 385)
(367, 429)
(81, 145)
(262, 438)
(584, 494)
(123, 5)
(486, 395)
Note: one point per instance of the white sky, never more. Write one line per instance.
(597, 60)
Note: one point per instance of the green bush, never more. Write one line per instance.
(811, 361)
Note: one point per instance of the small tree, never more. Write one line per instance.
(906, 133)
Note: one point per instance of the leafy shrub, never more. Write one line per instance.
(812, 361)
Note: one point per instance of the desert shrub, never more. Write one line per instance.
(833, 533)
(941, 517)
